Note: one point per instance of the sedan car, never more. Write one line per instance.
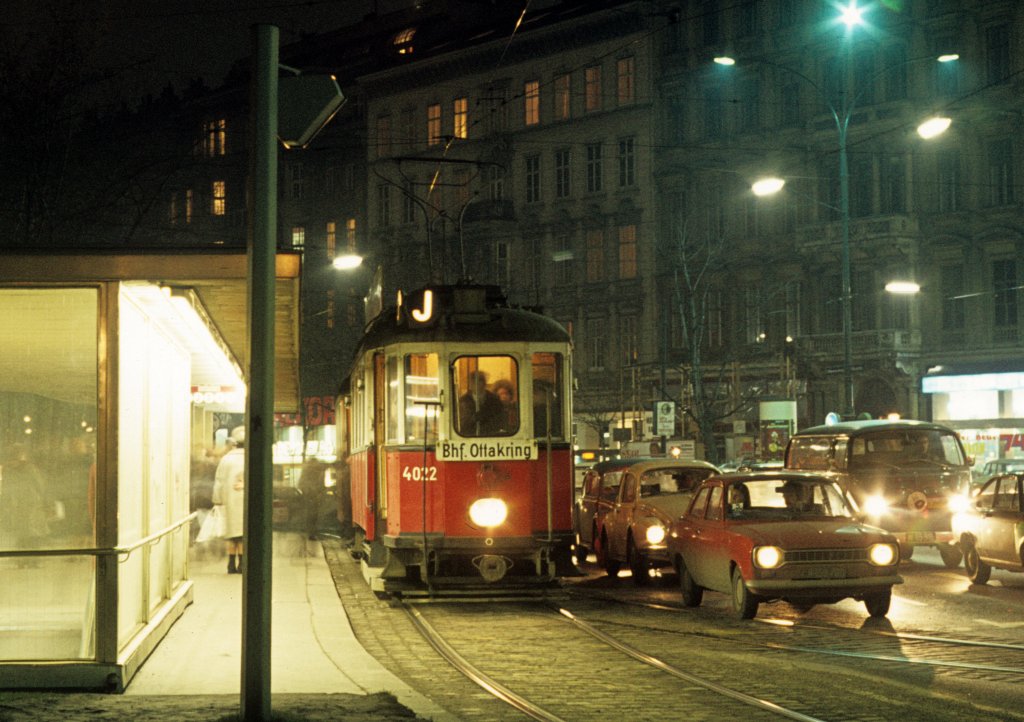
(991, 528)
(651, 495)
(795, 536)
(596, 497)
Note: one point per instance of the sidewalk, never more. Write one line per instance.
(318, 668)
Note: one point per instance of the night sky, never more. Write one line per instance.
(150, 44)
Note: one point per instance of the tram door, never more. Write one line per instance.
(380, 400)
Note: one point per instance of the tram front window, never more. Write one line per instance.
(488, 391)
(421, 397)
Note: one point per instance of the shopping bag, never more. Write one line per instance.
(213, 526)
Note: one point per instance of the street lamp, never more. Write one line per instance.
(851, 16)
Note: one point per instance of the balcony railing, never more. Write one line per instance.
(862, 343)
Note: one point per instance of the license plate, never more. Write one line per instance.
(820, 571)
(921, 537)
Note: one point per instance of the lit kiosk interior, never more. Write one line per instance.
(96, 441)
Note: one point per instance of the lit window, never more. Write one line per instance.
(330, 308)
(592, 89)
(173, 209)
(625, 81)
(460, 115)
(562, 97)
(332, 238)
(531, 103)
(215, 140)
(433, 124)
(219, 198)
(188, 206)
(298, 236)
(402, 41)
(627, 251)
(350, 234)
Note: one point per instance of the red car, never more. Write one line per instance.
(795, 536)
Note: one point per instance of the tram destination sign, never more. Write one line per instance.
(486, 450)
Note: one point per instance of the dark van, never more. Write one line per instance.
(902, 474)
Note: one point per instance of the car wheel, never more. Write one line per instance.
(744, 604)
(693, 593)
(951, 555)
(604, 561)
(878, 604)
(637, 564)
(977, 571)
(581, 551)
(906, 552)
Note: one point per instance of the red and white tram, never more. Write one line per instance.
(457, 418)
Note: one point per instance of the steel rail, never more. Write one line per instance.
(474, 674)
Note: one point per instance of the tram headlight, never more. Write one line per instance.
(655, 534)
(768, 557)
(876, 505)
(488, 512)
(883, 555)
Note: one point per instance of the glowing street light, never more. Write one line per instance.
(933, 127)
(903, 288)
(767, 186)
(851, 15)
(347, 261)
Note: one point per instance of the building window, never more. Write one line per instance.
(562, 96)
(676, 120)
(1004, 283)
(592, 89)
(562, 259)
(219, 199)
(627, 251)
(753, 326)
(532, 178)
(329, 310)
(997, 53)
(595, 255)
(383, 204)
(625, 81)
(1000, 173)
(216, 137)
(713, 121)
(863, 288)
(562, 174)
(408, 204)
(627, 163)
(949, 181)
(951, 284)
(383, 136)
(531, 102)
(460, 118)
(188, 206)
(407, 118)
(434, 124)
(594, 168)
(296, 181)
(502, 266)
(791, 105)
(172, 210)
(332, 240)
(894, 184)
(402, 41)
(496, 182)
(595, 343)
(298, 236)
(350, 234)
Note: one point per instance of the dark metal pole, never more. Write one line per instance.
(256, 583)
(844, 208)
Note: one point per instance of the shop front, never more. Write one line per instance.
(984, 402)
(103, 363)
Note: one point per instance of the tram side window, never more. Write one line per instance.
(393, 416)
(421, 397)
(488, 391)
(547, 395)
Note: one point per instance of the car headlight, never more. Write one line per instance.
(959, 503)
(768, 557)
(876, 505)
(655, 534)
(488, 512)
(883, 555)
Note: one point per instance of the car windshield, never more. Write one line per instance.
(659, 482)
(786, 499)
(906, 447)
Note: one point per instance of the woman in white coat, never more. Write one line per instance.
(229, 492)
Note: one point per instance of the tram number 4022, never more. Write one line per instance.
(419, 473)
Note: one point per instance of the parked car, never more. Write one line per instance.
(991, 528)
(599, 491)
(902, 474)
(651, 494)
(995, 467)
(762, 536)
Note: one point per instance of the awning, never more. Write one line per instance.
(217, 279)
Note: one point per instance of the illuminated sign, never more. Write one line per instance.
(486, 450)
(972, 382)
(419, 315)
